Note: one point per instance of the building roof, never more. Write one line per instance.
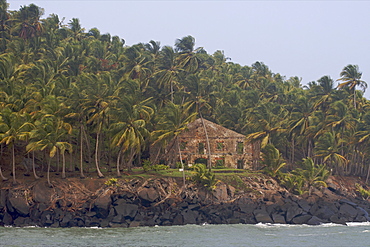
(196, 130)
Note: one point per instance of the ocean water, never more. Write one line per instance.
(352, 234)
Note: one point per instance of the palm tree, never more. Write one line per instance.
(27, 21)
(14, 128)
(130, 130)
(49, 135)
(351, 78)
(174, 121)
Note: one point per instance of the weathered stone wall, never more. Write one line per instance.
(160, 203)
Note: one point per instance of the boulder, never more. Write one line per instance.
(301, 219)
(220, 192)
(149, 194)
(292, 212)
(278, 219)
(262, 216)
(7, 219)
(126, 210)
(3, 196)
(178, 220)
(66, 220)
(316, 221)
(20, 205)
(348, 211)
(324, 213)
(304, 205)
(190, 216)
(102, 204)
(42, 193)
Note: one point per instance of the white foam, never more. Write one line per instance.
(358, 223)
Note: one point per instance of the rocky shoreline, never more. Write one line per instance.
(162, 201)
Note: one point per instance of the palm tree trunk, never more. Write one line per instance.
(209, 163)
(1, 154)
(63, 165)
(13, 165)
(130, 159)
(182, 164)
(48, 173)
(118, 163)
(87, 146)
(2, 176)
(33, 166)
(81, 153)
(71, 168)
(368, 173)
(100, 175)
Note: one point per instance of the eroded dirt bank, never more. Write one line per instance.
(163, 201)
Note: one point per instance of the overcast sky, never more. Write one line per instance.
(308, 39)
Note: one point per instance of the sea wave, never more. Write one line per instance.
(358, 223)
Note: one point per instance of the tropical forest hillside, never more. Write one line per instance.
(84, 99)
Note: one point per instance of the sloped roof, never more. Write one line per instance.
(195, 129)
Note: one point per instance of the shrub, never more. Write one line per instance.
(204, 177)
(158, 167)
(112, 182)
(363, 192)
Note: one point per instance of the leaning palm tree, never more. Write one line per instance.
(48, 135)
(351, 78)
(15, 129)
(172, 124)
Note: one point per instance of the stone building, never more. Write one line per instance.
(228, 148)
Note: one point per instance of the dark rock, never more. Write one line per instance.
(261, 215)
(126, 210)
(324, 213)
(302, 219)
(316, 221)
(7, 219)
(134, 224)
(233, 221)
(42, 193)
(343, 201)
(246, 205)
(92, 221)
(46, 218)
(278, 219)
(3, 197)
(66, 220)
(190, 216)
(116, 225)
(304, 205)
(363, 212)
(102, 204)
(292, 212)
(230, 191)
(20, 205)
(337, 219)
(118, 219)
(348, 211)
(149, 194)
(220, 192)
(178, 220)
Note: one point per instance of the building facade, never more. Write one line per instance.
(227, 148)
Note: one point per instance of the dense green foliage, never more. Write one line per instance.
(86, 99)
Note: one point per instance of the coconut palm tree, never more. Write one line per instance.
(49, 135)
(15, 128)
(173, 122)
(351, 78)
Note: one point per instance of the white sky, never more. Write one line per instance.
(308, 39)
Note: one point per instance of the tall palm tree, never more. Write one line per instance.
(15, 128)
(351, 78)
(173, 122)
(49, 135)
